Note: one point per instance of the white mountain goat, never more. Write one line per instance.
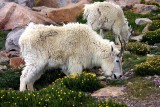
(71, 47)
(108, 16)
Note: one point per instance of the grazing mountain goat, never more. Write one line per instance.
(108, 16)
(70, 47)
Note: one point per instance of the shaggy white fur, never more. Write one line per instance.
(107, 16)
(71, 47)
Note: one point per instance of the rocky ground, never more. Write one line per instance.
(124, 93)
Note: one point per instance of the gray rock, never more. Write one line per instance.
(127, 52)
(141, 21)
(146, 29)
(3, 67)
(3, 57)
(143, 8)
(2, 4)
(101, 77)
(148, 77)
(12, 39)
(137, 38)
(108, 92)
(29, 3)
(150, 55)
(157, 53)
(129, 83)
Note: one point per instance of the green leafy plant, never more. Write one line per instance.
(151, 37)
(149, 67)
(154, 25)
(138, 48)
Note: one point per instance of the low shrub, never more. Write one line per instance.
(57, 94)
(154, 25)
(150, 67)
(86, 82)
(151, 37)
(138, 48)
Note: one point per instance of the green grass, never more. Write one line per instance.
(116, 83)
(2, 39)
(130, 60)
(9, 79)
(109, 35)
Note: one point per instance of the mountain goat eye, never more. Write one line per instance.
(117, 60)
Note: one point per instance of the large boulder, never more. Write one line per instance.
(121, 3)
(29, 3)
(13, 38)
(124, 3)
(143, 9)
(65, 14)
(16, 62)
(56, 3)
(133, 2)
(13, 15)
(141, 21)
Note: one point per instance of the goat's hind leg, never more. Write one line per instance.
(29, 75)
